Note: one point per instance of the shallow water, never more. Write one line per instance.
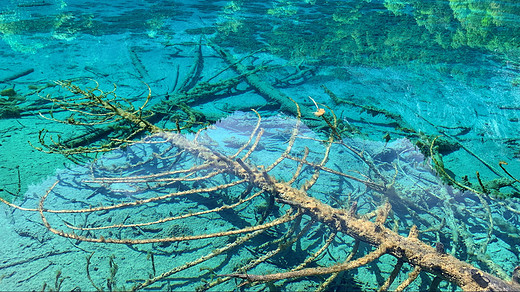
(391, 76)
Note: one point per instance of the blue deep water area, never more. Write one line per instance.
(177, 145)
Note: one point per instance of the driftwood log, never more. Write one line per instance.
(410, 249)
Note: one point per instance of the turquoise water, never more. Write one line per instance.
(420, 107)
